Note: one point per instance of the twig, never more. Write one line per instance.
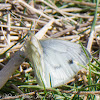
(5, 6)
(10, 67)
(32, 9)
(19, 91)
(73, 92)
(19, 28)
(90, 42)
(3, 50)
(36, 11)
(64, 10)
(62, 32)
(8, 30)
(29, 18)
(78, 15)
(57, 9)
(11, 38)
(91, 38)
(83, 92)
(81, 3)
(16, 88)
(52, 6)
(69, 37)
(43, 31)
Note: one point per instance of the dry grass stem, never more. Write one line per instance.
(42, 32)
(81, 3)
(32, 9)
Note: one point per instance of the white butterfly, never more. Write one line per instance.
(54, 60)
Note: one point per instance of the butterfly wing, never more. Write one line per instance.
(59, 60)
(54, 60)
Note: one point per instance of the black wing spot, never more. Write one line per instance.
(70, 61)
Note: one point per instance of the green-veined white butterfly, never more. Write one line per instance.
(54, 60)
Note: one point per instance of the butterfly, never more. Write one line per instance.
(55, 61)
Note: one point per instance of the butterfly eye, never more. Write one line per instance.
(70, 61)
